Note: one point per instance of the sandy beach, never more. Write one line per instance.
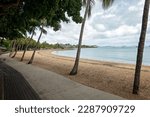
(115, 78)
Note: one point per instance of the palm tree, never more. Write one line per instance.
(37, 43)
(12, 47)
(141, 48)
(27, 45)
(89, 3)
(32, 27)
(16, 48)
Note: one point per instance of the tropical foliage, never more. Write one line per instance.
(16, 15)
(19, 17)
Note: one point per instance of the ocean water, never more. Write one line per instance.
(113, 54)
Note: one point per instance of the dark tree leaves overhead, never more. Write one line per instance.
(16, 15)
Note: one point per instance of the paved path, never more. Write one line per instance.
(50, 85)
(14, 86)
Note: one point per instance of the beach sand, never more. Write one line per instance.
(115, 78)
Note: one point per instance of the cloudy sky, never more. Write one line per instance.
(120, 25)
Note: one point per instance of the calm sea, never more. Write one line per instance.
(114, 54)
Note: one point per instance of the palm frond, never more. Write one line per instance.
(92, 3)
(107, 3)
(84, 2)
(89, 11)
(89, 4)
(43, 30)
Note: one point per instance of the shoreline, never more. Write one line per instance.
(90, 59)
(115, 78)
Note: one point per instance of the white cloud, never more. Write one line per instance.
(107, 16)
(132, 8)
(122, 31)
(100, 27)
(119, 25)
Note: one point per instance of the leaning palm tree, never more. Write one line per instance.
(33, 24)
(141, 47)
(15, 33)
(16, 47)
(12, 47)
(89, 4)
(37, 43)
(27, 44)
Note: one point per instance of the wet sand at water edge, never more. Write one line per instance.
(115, 78)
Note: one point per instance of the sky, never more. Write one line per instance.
(120, 25)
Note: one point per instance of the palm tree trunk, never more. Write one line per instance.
(141, 48)
(16, 50)
(12, 47)
(26, 47)
(31, 60)
(76, 64)
(21, 47)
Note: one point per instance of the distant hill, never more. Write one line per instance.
(63, 46)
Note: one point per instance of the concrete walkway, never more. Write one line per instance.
(52, 86)
(14, 86)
